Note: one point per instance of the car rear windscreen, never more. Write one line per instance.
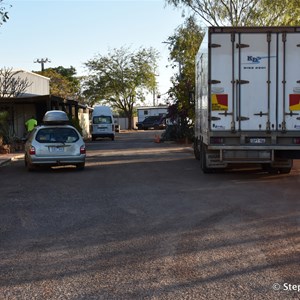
(53, 135)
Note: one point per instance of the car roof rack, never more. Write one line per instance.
(56, 117)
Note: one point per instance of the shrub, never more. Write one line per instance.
(4, 128)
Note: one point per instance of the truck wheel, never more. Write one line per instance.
(272, 170)
(275, 170)
(285, 170)
(268, 168)
(196, 149)
(203, 161)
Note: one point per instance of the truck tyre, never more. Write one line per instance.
(271, 170)
(203, 161)
(285, 170)
(275, 170)
(196, 149)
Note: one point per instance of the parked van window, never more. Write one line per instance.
(102, 120)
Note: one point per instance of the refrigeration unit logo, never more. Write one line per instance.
(256, 62)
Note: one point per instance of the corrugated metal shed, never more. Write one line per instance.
(40, 85)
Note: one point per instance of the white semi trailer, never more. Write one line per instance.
(247, 98)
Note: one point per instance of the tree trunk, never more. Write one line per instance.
(129, 117)
(129, 122)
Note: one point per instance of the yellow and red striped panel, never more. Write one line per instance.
(219, 101)
(294, 102)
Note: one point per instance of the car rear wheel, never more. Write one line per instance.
(29, 166)
(80, 166)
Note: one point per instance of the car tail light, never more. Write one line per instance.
(82, 149)
(32, 150)
(296, 140)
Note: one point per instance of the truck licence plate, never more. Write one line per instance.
(257, 140)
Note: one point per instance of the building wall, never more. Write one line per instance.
(40, 85)
(22, 113)
(84, 122)
(123, 122)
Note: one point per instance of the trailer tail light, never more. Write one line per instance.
(297, 140)
(32, 150)
(216, 140)
(82, 149)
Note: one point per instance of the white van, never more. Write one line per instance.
(102, 123)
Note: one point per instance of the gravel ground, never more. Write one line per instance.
(143, 222)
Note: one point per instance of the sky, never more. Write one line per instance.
(71, 32)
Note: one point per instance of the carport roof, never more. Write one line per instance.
(42, 98)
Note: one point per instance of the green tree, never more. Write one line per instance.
(277, 13)
(3, 12)
(63, 82)
(122, 78)
(243, 12)
(183, 46)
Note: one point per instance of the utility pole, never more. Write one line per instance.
(42, 61)
(154, 91)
